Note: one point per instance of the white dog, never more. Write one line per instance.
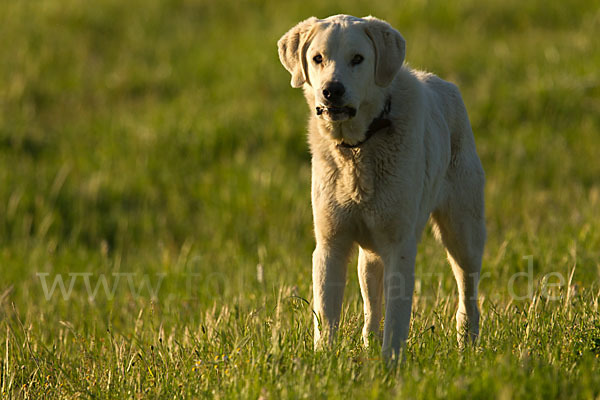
(390, 147)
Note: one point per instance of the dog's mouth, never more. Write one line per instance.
(336, 113)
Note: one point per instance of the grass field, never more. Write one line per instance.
(155, 222)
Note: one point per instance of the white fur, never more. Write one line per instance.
(381, 194)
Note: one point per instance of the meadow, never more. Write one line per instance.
(155, 220)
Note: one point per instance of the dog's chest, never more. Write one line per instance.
(355, 185)
(367, 202)
(355, 180)
(361, 182)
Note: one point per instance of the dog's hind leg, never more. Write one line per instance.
(370, 277)
(461, 224)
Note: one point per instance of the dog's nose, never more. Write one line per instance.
(334, 91)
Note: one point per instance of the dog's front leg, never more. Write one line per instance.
(329, 280)
(370, 276)
(399, 283)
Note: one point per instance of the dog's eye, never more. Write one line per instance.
(318, 59)
(357, 59)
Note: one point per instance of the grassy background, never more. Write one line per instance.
(157, 144)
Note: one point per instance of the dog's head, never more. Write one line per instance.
(340, 61)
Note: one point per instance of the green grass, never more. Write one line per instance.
(158, 145)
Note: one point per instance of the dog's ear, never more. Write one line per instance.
(292, 51)
(390, 49)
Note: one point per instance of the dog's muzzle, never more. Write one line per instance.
(336, 113)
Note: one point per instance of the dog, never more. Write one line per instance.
(391, 146)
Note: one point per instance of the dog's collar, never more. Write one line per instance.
(378, 123)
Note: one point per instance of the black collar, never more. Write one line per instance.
(376, 125)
